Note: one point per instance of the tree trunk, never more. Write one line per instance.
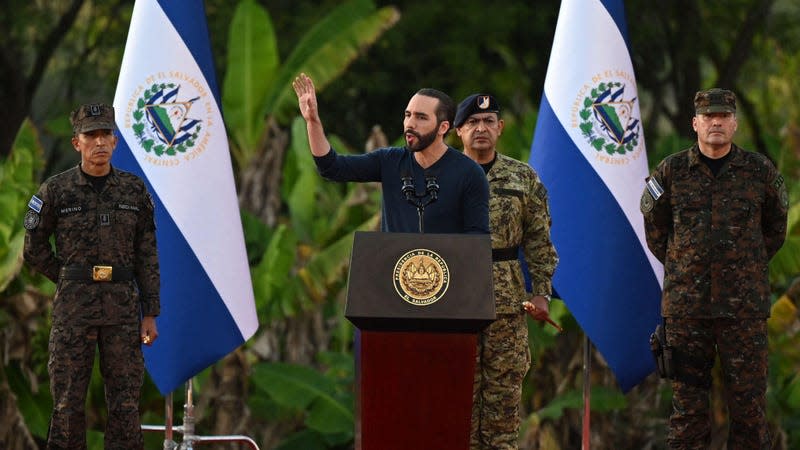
(260, 182)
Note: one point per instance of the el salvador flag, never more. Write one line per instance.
(589, 150)
(173, 136)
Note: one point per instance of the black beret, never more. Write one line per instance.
(474, 104)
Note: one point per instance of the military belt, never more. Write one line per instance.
(505, 254)
(96, 273)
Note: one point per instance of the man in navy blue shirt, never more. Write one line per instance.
(425, 169)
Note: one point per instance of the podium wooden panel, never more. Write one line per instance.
(414, 390)
(415, 364)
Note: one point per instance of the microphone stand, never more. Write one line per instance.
(420, 201)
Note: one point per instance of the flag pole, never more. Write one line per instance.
(169, 443)
(587, 391)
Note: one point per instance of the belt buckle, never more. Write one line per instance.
(102, 273)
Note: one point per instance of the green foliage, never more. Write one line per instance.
(253, 61)
(256, 237)
(785, 265)
(783, 394)
(324, 400)
(34, 406)
(94, 440)
(304, 440)
(275, 287)
(257, 85)
(17, 178)
(282, 289)
(304, 264)
(542, 337)
(328, 48)
(666, 146)
(602, 400)
(457, 46)
(310, 198)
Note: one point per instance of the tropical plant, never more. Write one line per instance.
(258, 87)
(323, 400)
(23, 304)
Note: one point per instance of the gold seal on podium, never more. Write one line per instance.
(421, 277)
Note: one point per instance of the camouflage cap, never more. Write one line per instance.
(474, 104)
(93, 116)
(714, 101)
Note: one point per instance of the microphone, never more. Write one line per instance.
(432, 187)
(408, 188)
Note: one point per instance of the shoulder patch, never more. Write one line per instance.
(31, 220)
(35, 204)
(646, 203)
(654, 188)
(783, 193)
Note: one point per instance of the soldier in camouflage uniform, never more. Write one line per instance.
(519, 218)
(105, 265)
(714, 215)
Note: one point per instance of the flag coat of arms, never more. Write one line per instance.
(172, 135)
(589, 150)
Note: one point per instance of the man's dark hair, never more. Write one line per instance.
(446, 110)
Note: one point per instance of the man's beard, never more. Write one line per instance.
(423, 140)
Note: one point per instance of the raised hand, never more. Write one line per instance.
(306, 97)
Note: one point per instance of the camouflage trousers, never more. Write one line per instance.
(503, 359)
(72, 352)
(741, 345)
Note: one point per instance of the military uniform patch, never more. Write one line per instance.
(654, 188)
(783, 193)
(35, 204)
(646, 203)
(31, 220)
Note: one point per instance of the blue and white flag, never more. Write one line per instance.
(589, 150)
(172, 135)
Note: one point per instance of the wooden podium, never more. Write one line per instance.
(418, 301)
